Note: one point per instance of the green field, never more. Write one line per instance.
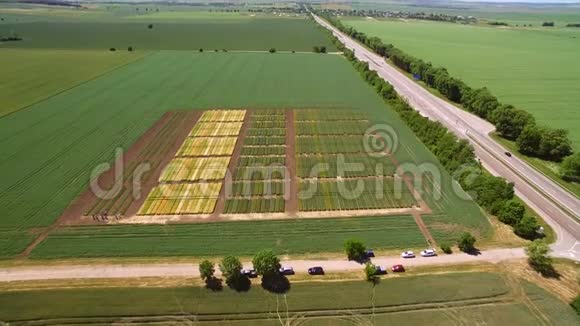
(42, 73)
(170, 31)
(533, 69)
(483, 298)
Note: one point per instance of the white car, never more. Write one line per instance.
(428, 253)
(407, 254)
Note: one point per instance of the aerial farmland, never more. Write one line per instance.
(174, 134)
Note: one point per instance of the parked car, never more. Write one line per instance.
(398, 268)
(316, 270)
(428, 253)
(508, 154)
(369, 253)
(284, 270)
(251, 273)
(381, 270)
(407, 254)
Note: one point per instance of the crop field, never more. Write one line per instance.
(213, 31)
(180, 199)
(535, 69)
(193, 169)
(79, 129)
(43, 73)
(485, 298)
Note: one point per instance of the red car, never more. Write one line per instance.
(398, 268)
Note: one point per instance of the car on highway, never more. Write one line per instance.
(407, 254)
(286, 270)
(251, 273)
(317, 270)
(508, 154)
(398, 268)
(428, 253)
(380, 270)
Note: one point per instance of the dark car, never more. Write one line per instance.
(316, 270)
(369, 253)
(508, 154)
(398, 268)
(251, 273)
(380, 270)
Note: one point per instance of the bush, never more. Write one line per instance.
(527, 228)
(538, 258)
(150, 26)
(112, 49)
(272, 50)
(575, 304)
(316, 49)
(511, 212)
(206, 269)
(130, 49)
(446, 248)
(371, 273)
(570, 169)
(355, 250)
(466, 242)
(200, 50)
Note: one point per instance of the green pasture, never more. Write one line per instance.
(50, 148)
(533, 69)
(438, 299)
(30, 76)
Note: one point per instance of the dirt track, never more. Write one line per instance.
(192, 270)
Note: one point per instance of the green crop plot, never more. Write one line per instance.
(535, 69)
(239, 238)
(329, 144)
(50, 148)
(349, 165)
(440, 299)
(29, 76)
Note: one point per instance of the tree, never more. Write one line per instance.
(509, 121)
(200, 50)
(112, 49)
(206, 269)
(231, 270)
(554, 144)
(529, 140)
(266, 263)
(322, 49)
(466, 242)
(316, 49)
(538, 258)
(371, 272)
(150, 26)
(511, 212)
(570, 168)
(446, 248)
(527, 227)
(272, 50)
(130, 49)
(355, 250)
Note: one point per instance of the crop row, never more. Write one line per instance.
(272, 117)
(333, 114)
(353, 195)
(254, 205)
(170, 199)
(354, 127)
(257, 188)
(257, 173)
(261, 160)
(265, 141)
(193, 169)
(329, 144)
(332, 166)
(216, 129)
(268, 113)
(264, 150)
(200, 146)
(266, 132)
(268, 124)
(223, 115)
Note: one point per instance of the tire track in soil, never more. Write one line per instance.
(292, 196)
(76, 209)
(234, 158)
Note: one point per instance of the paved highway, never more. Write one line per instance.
(556, 206)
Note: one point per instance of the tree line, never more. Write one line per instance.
(494, 194)
(511, 123)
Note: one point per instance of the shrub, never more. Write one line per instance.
(538, 258)
(466, 242)
(576, 304)
(200, 50)
(272, 50)
(130, 49)
(371, 272)
(527, 227)
(112, 49)
(446, 248)
(355, 250)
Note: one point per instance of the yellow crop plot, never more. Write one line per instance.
(204, 146)
(194, 169)
(223, 116)
(216, 129)
(181, 199)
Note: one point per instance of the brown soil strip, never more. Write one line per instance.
(235, 157)
(292, 197)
